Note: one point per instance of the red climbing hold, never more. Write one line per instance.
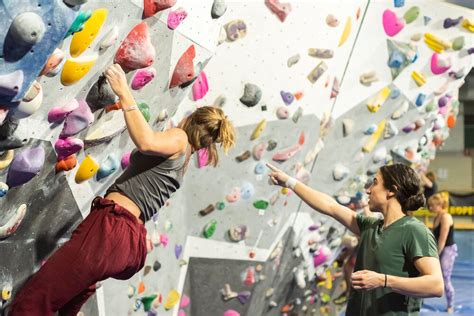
(136, 50)
(152, 7)
(184, 70)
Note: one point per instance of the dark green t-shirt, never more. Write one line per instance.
(390, 251)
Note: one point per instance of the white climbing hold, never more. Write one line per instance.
(402, 109)
(13, 222)
(340, 172)
(27, 28)
(293, 60)
(379, 155)
(283, 113)
(390, 130)
(109, 38)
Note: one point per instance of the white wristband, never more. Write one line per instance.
(291, 183)
(131, 108)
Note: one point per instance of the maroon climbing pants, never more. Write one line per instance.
(110, 242)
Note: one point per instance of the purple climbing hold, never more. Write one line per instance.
(287, 97)
(11, 83)
(178, 249)
(67, 147)
(59, 113)
(244, 296)
(448, 22)
(443, 101)
(142, 77)
(25, 166)
(78, 120)
(408, 128)
(470, 51)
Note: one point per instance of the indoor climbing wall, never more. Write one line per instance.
(327, 91)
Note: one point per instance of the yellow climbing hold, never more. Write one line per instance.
(76, 68)
(419, 78)
(6, 292)
(437, 44)
(259, 129)
(374, 138)
(346, 32)
(87, 169)
(468, 25)
(6, 158)
(172, 299)
(376, 102)
(81, 40)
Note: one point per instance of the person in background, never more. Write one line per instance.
(428, 181)
(443, 230)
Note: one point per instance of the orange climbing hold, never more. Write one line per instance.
(184, 70)
(298, 95)
(141, 287)
(66, 164)
(136, 50)
(113, 107)
(451, 121)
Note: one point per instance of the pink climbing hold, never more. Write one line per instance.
(281, 10)
(136, 50)
(67, 147)
(439, 65)
(184, 70)
(164, 240)
(142, 77)
(391, 23)
(176, 17)
(287, 153)
(321, 255)
(152, 7)
(200, 86)
(184, 301)
(125, 161)
(25, 166)
(203, 157)
(181, 313)
(78, 120)
(59, 113)
(259, 150)
(233, 196)
(231, 312)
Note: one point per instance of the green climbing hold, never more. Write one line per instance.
(210, 229)
(78, 23)
(147, 301)
(145, 109)
(411, 14)
(220, 206)
(458, 43)
(261, 204)
(430, 106)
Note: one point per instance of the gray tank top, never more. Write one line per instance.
(149, 181)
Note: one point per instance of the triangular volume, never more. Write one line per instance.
(184, 70)
(136, 50)
(400, 56)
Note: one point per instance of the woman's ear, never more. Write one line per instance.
(392, 192)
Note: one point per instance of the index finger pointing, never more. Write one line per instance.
(273, 168)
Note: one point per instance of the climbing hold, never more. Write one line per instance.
(78, 23)
(147, 301)
(374, 104)
(145, 110)
(156, 265)
(287, 153)
(142, 77)
(317, 72)
(468, 24)
(246, 191)
(345, 32)
(335, 88)
(426, 20)
(458, 43)
(101, 96)
(218, 8)
(374, 138)
(220, 101)
(208, 210)
(281, 10)
(25, 166)
(347, 127)
(332, 21)
(437, 44)
(258, 129)
(409, 127)
(78, 120)
(76, 68)
(178, 249)
(451, 121)
(136, 50)
(83, 39)
(30, 102)
(87, 169)
(66, 164)
(258, 150)
(244, 296)
(53, 61)
(419, 123)
(231, 312)
(379, 155)
(3, 189)
(235, 30)
(220, 205)
(283, 113)
(244, 156)
(67, 147)
(390, 130)
(439, 64)
(402, 109)
(74, 2)
(27, 28)
(184, 301)
(457, 74)
(252, 95)
(340, 172)
(131, 291)
(200, 86)
(321, 53)
(368, 77)
(416, 37)
(298, 113)
(261, 204)
(321, 255)
(396, 59)
(6, 292)
(151, 7)
(107, 167)
(293, 60)
(249, 276)
(234, 195)
(11, 226)
(6, 158)
(238, 233)
(420, 99)
(184, 70)
(392, 25)
(227, 293)
(176, 17)
(418, 78)
(271, 145)
(443, 101)
(448, 22)
(398, 3)
(287, 97)
(395, 93)
(203, 157)
(141, 287)
(412, 14)
(11, 83)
